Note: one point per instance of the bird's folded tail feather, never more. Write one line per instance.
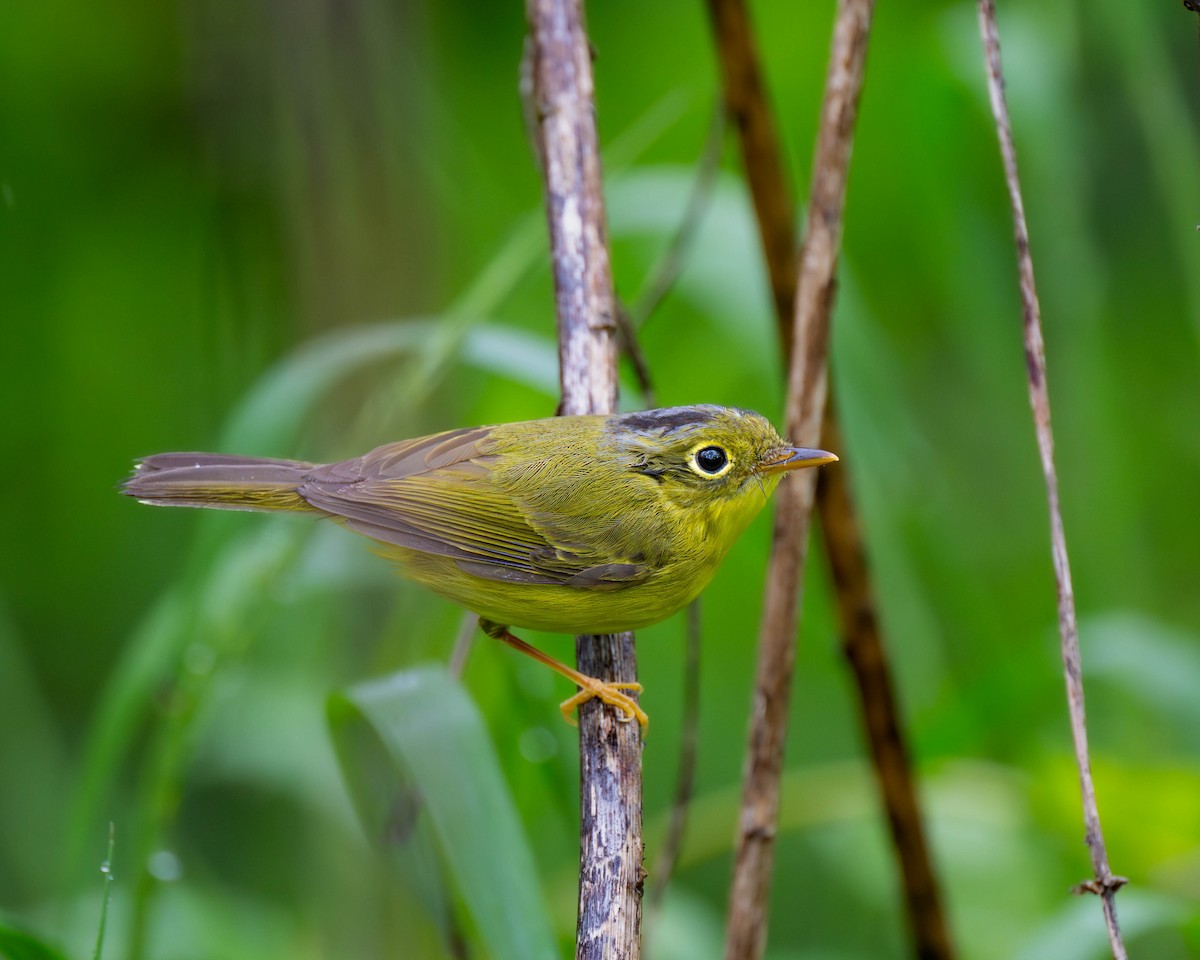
(219, 480)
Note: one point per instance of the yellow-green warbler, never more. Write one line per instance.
(582, 524)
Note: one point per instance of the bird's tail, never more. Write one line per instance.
(219, 480)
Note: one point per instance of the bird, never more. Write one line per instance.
(586, 524)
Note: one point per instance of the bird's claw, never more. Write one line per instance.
(610, 693)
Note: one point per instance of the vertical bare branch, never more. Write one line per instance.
(1104, 882)
(746, 934)
(862, 642)
(564, 98)
(610, 879)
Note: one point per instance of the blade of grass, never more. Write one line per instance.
(268, 419)
(425, 732)
(271, 416)
(226, 618)
(147, 658)
(30, 743)
(107, 873)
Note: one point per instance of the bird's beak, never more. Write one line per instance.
(781, 459)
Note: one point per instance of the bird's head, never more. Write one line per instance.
(711, 459)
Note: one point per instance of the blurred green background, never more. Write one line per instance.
(307, 228)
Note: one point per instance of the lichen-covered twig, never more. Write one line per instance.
(610, 880)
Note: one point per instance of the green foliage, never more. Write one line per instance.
(307, 231)
(17, 944)
(393, 736)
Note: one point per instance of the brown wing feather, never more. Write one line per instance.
(436, 495)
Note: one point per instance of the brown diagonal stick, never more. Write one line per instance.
(762, 157)
(746, 934)
(745, 96)
(610, 752)
(1104, 882)
(746, 100)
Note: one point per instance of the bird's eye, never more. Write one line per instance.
(711, 460)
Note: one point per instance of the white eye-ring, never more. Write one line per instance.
(710, 461)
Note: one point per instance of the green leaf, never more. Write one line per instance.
(106, 872)
(1150, 660)
(211, 613)
(417, 760)
(1075, 931)
(29, 743)
(17, 944)
(516, 354)
(272, 415)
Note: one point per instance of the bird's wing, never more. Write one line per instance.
(435, 495)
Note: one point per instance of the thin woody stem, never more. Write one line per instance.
(747, 927)
(1104, 883)
(746, 103)
(862, 640)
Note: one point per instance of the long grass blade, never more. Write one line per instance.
(415, 755)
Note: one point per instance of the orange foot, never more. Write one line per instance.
(610, 693)
(589, 687)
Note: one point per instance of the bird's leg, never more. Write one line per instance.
(607, 691)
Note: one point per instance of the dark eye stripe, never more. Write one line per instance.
(711, 459)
